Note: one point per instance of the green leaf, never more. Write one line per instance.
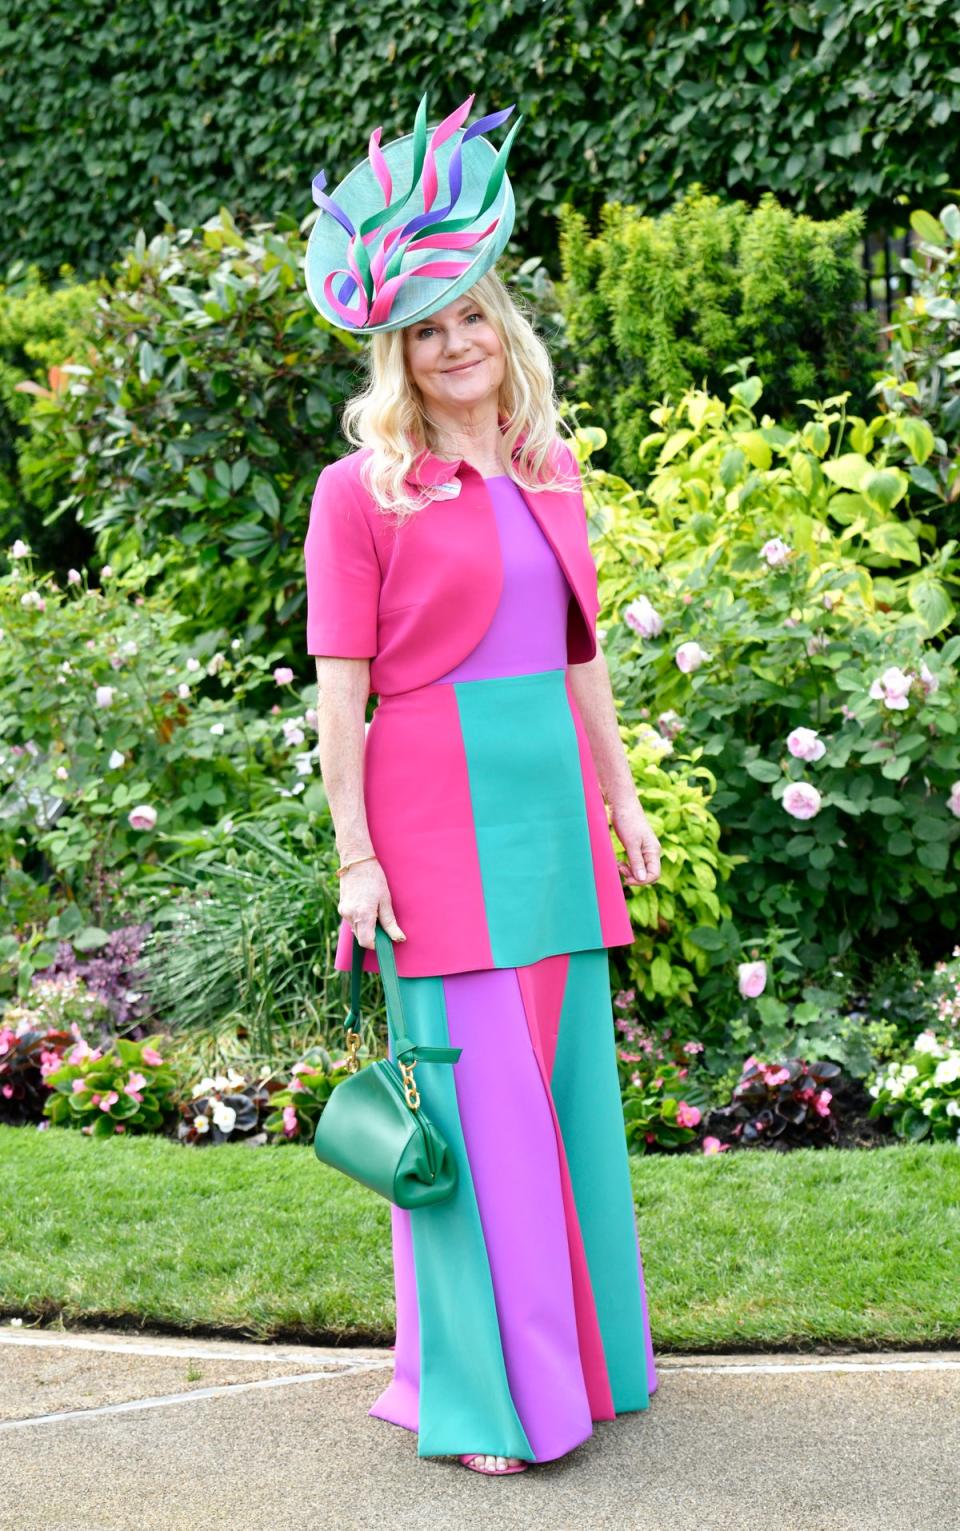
(266, 497)
(848, 471)
(821, 856)
(894, 540)
(934, 854)
(928, 228)
(90, 939)
(747, 392)
(885, 805)
(763, 770)
(931, 603)
(895, 770)
(916, 436)
(883, 489)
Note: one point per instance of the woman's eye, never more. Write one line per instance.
(474, 316)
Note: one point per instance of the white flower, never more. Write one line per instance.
(670, 724)
(104, 696)
(892, 688)
(227, 826)
(926, 1106)
(224, 1116)
(106, 572)
(928, 680)
(806, 744)
(33, 599)
(74, 577)
(751, 979)
(310, 717)
(801, 800)
(776, 552)
(947, 1072)
(689, 657)
(19, 549)
(304, 763)
(641, 616)
(202, 1122)
(926, 1042)
(235, 643)
(294, 735)
(183, 691)
(953, 801)
(61, 773)
(217, 728)
(908, 1072)
(142, 817)
(117, 758)
(874, 1090)
(216, 664)
(130, 647)
(953, 1107)
(193, 664)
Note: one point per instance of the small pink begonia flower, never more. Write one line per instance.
(134, 1086)
(776, 552)
(642, 618)
(892, 688)
(689, 657)
(801, 800)
(688, 1116)
(150, 1055)
(751, 979)
(822, 1102)
(776, 1076)
(290, 1126)
(714, 1146)
(806, 744)
(109, 1100)
(283, 675)
(142, 817)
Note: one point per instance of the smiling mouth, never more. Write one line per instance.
(466, 366)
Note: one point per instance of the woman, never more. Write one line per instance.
(449, 572)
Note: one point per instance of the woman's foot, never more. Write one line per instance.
(480, 1462)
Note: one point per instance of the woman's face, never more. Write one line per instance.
(455, 356)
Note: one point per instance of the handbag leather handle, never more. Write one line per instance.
(404, 1047)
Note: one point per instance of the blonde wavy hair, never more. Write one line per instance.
(389, 415)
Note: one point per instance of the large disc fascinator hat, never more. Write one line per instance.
(413, 225)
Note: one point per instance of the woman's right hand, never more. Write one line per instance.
(364, 899)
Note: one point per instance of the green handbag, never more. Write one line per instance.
(373, 1127)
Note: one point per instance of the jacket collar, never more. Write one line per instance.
(428, 470)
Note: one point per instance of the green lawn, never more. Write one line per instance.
(741, 1250)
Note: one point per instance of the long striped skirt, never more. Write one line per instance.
(521, 1309)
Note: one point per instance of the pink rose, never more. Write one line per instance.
(142, 817)
(806, 744)
(892, 688)
(776, 552)
(641, 616)
(801, 800)
(751, 978)
(689, 657)
(283, 675)
(670, 724)
(687, 1116)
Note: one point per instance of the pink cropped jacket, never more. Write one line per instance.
(416, 599)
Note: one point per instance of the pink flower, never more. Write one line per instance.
(49, 1063)
(150, 1055)
(776, 552)
(670, 724)
(7, 1091)
(641, 616)
(714, 1146)
(290, 1126)
(134, 1086)
(689, 657)
(78, 1086)
(142, 817)
(95, 1100)
(687, 1115)
(806, 744)
(295, 1085)
(693, 1047)
(928, 680)
(801, 800)
(120, 1127)
(109, 1100)
(283, 675)
(74, 577)
(625, 997)
(751, 978)
(822, 1102)
(776, 1076)
(892, 688)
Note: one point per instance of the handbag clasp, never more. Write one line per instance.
(353, 1042)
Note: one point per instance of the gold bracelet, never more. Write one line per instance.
(346, 865)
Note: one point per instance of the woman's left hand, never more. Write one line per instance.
(640, 843)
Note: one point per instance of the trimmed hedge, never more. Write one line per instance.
(107, 108)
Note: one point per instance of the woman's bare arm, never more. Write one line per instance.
(343, 687)
(593, 694)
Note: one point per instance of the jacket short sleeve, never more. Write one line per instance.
(342, 572)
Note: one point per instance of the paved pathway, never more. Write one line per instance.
(103, 1432)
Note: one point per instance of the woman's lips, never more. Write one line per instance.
(466, 366)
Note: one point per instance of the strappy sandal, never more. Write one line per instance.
(471, 1457)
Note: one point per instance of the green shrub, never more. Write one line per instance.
(756, 604)
(656, 306)
(129, 1085)
(197, 426)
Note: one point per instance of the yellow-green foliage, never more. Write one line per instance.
(663, 962)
